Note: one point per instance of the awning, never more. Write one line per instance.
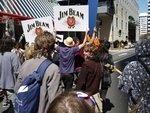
(29, 8)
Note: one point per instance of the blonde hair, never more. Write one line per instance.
(69, 102)
(29, 51)
(44, 45)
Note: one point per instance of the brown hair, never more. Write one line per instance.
(68, 102)
(92, 49)
(44, 45)
(76, 40)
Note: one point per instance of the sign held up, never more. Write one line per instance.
(33, 27)
(71, 18)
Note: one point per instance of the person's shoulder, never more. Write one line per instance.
(58, 47)
(88, 62)
(75, 47)
(108, 55)
(52, 70)
(11, 54)
(53, 67)
(132, 65)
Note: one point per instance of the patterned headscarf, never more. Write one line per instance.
(142, 48)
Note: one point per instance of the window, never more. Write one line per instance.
(116, 8)
(126, 26)
(121, 24)
(116, 22)
(122, 12)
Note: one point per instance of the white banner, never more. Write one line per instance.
(33, 27)
(59, 38)
(71, 18)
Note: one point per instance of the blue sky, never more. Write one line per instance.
(142, 6)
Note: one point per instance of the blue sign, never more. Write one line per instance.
(93, 4)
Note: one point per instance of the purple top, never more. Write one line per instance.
(67, 61)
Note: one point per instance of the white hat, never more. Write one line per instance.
(69, 42)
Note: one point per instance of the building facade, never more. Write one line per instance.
(148, 21)
(125, 21)
(143, 23)
(116, 19)
(52, 1)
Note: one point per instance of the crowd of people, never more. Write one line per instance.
(85, 60)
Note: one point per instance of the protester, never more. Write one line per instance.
(19, 51)
(72, 102)
(9, 69)
(134, 78)
(29, 49)
(51, 84)
(79, 56)
(67, 54)
(91, 71)
(105, 58)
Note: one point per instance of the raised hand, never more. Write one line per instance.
(95, 29)
(87, 30)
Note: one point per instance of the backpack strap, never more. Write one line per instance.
(43, 66)
(147, 82)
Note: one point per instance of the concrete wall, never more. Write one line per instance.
(105, 28)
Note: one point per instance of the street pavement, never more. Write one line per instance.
(5, 109)
(114, 50)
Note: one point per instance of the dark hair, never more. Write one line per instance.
(6, 44)
(104, 48)
(44, 45)
(69, 102)
(18, 45)
(76, 39)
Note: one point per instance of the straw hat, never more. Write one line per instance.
(69, 42)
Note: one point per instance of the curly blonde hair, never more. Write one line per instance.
(92, 49)
(44, 45)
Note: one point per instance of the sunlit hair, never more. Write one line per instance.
(92, 49)
(69, 102)
(29, 51)
(44, 45)
(6, 44)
